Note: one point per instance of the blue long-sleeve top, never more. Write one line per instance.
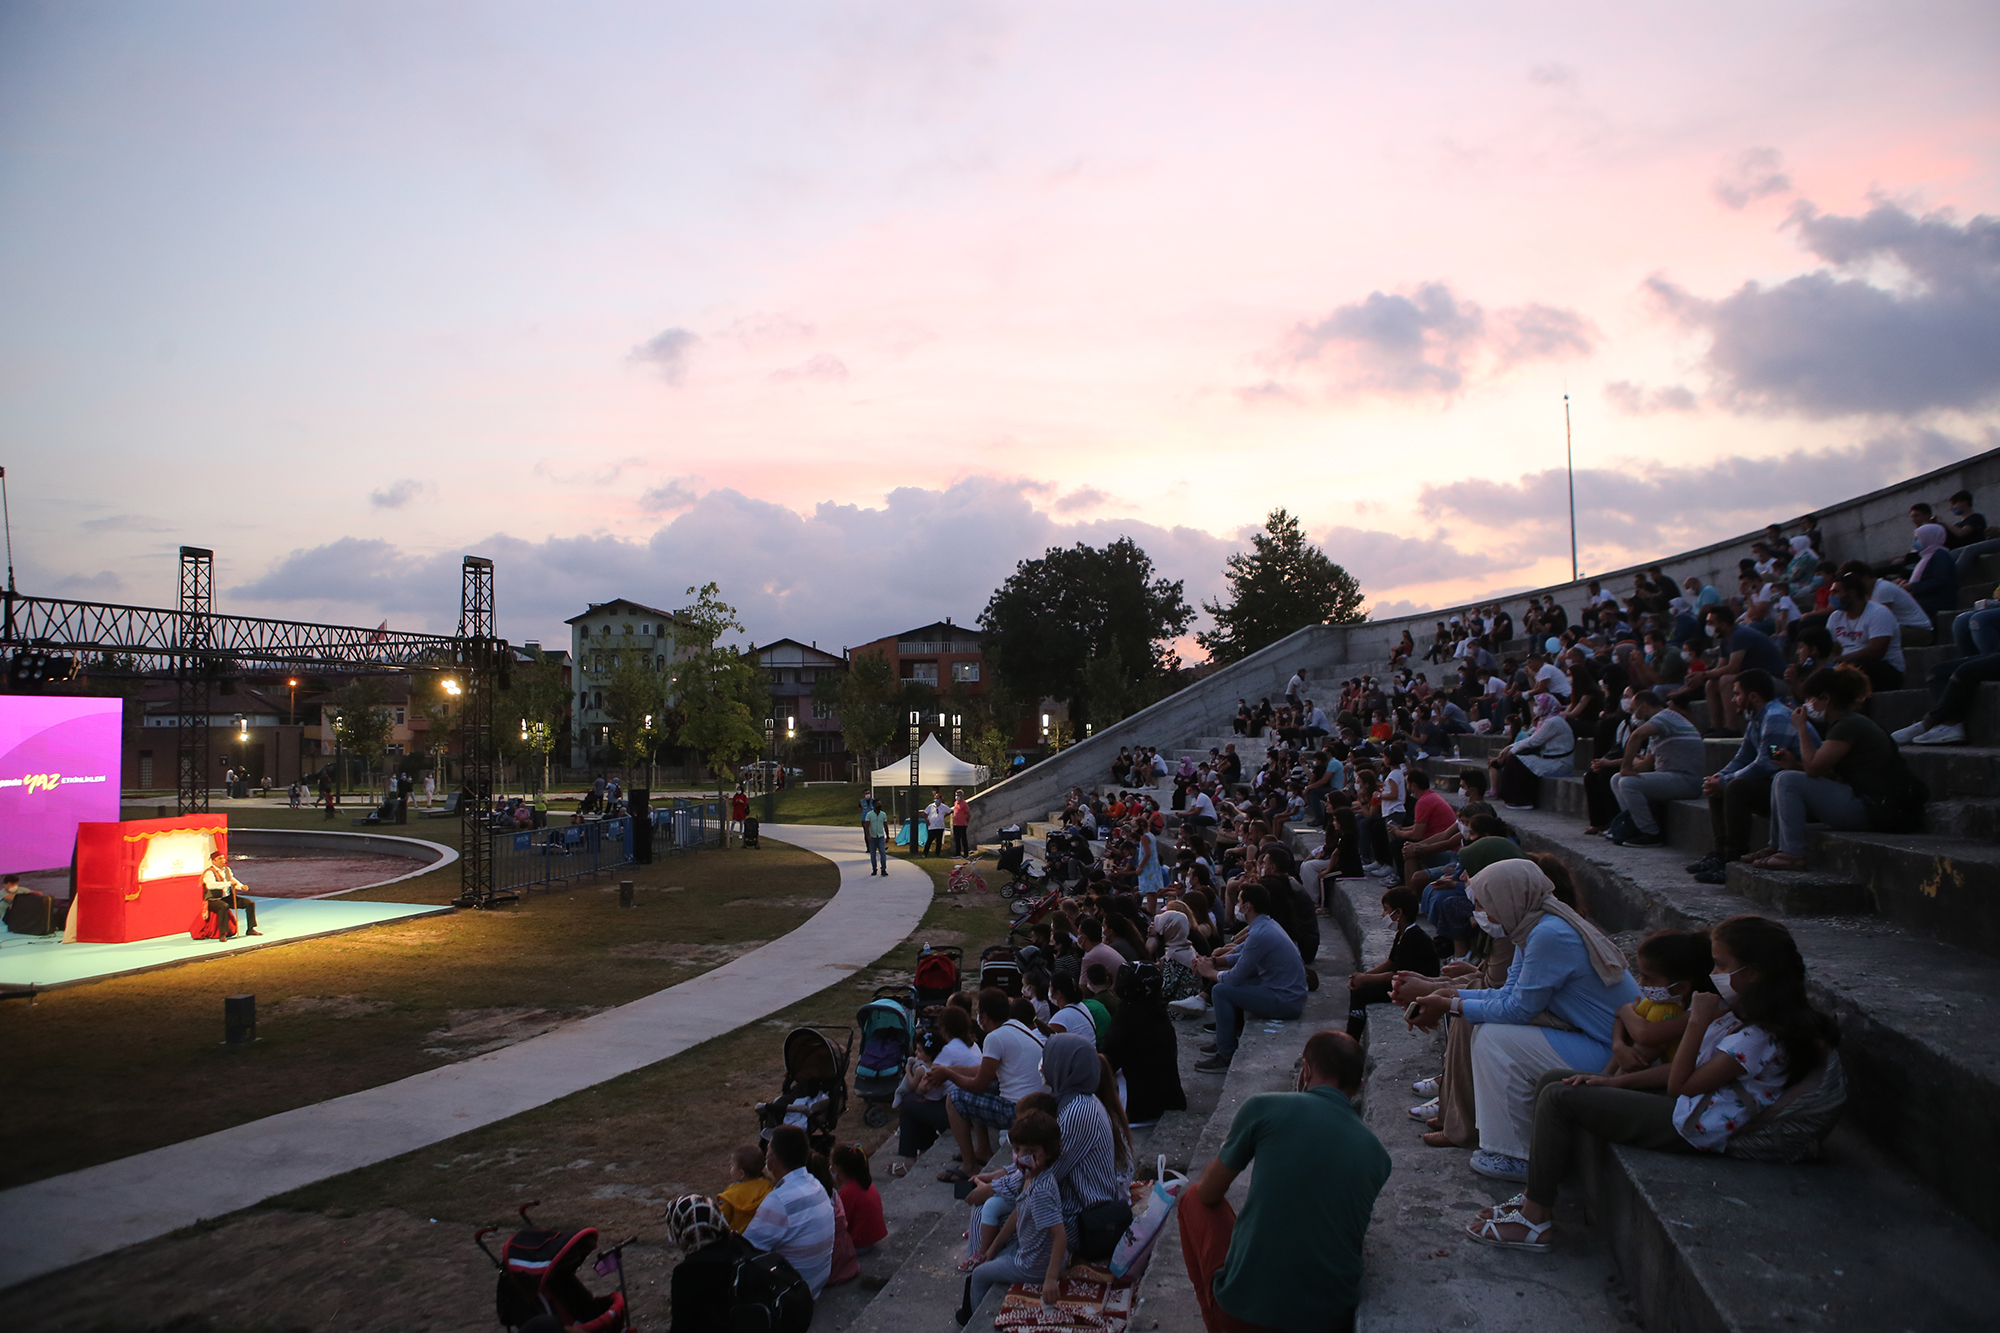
(1937, 590)
(1553, 972)
(1771, 725)
(1267, 957)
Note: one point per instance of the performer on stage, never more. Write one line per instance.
(223, 890)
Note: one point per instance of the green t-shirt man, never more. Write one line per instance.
(1295, 1256)
(875, 823)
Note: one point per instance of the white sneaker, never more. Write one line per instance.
(1425, 1111)
(1944, 733)
(1904, 735)
(1425, 1087)
(1193, 1004)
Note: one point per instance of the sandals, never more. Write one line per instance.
(1509, 1206)
(1781, 861)
(969, 1262)
(1486, 1231)
(951, 1175)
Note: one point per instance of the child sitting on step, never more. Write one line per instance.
(740, 1201)
(994, 1193)
(1673, 965)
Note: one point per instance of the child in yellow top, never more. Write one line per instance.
(739, 1202)
(1646, 1033)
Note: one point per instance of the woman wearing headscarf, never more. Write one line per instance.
(1095, 1204)
(1564, 968)
(709, 1254)
(1142, 1048)
(1802, 573)
(1934, 581)
(1172, 946)
(1544, 752)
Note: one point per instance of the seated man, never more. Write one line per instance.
(1955, 684)
(1293, 1259)
(1670, 769)
(224, 892)
(1266, 976)
(1741, 648)
(796, 1218)
(1742, 788)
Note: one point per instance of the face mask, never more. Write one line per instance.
(1489, 925)
(1815, 714)
(1239, 912)
(1624, 705)
(1657, 994)
(1722, 986)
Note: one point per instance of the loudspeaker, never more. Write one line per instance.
(642, 826)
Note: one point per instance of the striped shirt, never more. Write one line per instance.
(1087, 1171)
(796, 1220)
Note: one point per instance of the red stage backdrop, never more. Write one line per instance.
(141, 879)
(58, 766)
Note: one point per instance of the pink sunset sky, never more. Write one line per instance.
(849, 307)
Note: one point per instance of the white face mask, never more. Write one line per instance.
(1625, 705)
(1239, 912)
(1815, 714)
(1722, 986)
(1657, 994)
(1489, 925)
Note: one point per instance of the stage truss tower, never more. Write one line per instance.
(194, 674)
(481, 661)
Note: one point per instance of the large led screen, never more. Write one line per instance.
(58, 767)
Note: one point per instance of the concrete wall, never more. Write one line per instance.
(1875, 526)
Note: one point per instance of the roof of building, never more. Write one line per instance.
(599, 608)
(938, 631)
(807, 652)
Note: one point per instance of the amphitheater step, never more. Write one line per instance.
(1923, 1062)
(1947, 887)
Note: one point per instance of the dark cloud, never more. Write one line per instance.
(1083, 497)
(398, 493)
(1839, 342)
(825, 366)
(666, 498)
(1638, 511)
(1430, 340)
(1638, 401)
(1757, 173)
(667, 353)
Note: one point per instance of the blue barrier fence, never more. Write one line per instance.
(544, 858)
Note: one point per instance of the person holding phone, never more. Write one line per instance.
(1742, 788)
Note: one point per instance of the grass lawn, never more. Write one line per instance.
(352, 1011)
(389, 1246)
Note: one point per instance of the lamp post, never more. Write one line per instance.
(1045, 732)
(770, 747)
(916, 743)
(957, 740)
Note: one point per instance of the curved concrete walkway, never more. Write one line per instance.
(54, 1223)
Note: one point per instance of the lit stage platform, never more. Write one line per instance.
(45, 962)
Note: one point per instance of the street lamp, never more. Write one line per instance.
(292, 715)
(916, 744)
(1045, 731)
(770, 747)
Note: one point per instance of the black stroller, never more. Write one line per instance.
(750, 827)
(1024, 879)
(1000, 967)
(814, 1094)
(538, 1277)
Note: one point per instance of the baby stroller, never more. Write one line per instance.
(887, 1036)
(538, 1276)
(814, 1093)
(750, 833)
(1000, 967)
(1022, 875)
(937, 974)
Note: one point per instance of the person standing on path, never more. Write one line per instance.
(935, 816)
(1293, 1259)
(875, 828)
(961, 823)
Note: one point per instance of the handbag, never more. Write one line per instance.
(1135, 1246)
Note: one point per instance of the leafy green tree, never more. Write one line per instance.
(868, 700)
(1042, 627)
(363, 723)
(720, 693)
(1281, 585)
(635, 698)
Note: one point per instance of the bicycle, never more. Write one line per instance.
(964, 878)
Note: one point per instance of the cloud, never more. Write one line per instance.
(1637, 510)
(1084, 497)
(1430, 340)
(1757, 173)
(1388, 560)
(667, 352)
(1636, 400)
(1904, 319)
(399, 493)
(666, 498)
(1395, 610)
(1270, 391)
(124, 523)
(825, 366)
(1552, 74)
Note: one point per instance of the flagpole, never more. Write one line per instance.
(1569, 464)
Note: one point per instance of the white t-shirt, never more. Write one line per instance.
(1019, 1053)
(1558, 683)
(1296, 685)
(1204, 806)
(1708, 1121)
(955, 1054)
(1876, 621)
(1903, 606)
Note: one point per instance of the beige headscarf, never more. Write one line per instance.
(1515, 894)
(1173, 930)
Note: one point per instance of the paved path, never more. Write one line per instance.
(54, 1223)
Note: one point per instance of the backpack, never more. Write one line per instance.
(1792, 1128)
(767, 1295)
(1896, 798)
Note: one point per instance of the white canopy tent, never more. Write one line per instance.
(936, 767)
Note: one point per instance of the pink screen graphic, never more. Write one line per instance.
(58, 766)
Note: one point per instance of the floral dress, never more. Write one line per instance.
(1708, 1121)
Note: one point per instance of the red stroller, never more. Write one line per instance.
(538, 1276)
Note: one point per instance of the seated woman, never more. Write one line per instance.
(1829, 781)
(1564, 968)
(1934, 580)
(1545, 752)
(700, 1291)
(921, 1115)
(1748, 1045)
(1411, 951)
(1170, 944)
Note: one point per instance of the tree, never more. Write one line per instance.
(868, 700)
(721, 694)
(635, 698)
(540, 703)
(1280, 586)
(362, 721)
(1044, 624)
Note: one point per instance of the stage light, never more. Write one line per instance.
(451, 686)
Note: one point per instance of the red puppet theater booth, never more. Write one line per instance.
(141, 879)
